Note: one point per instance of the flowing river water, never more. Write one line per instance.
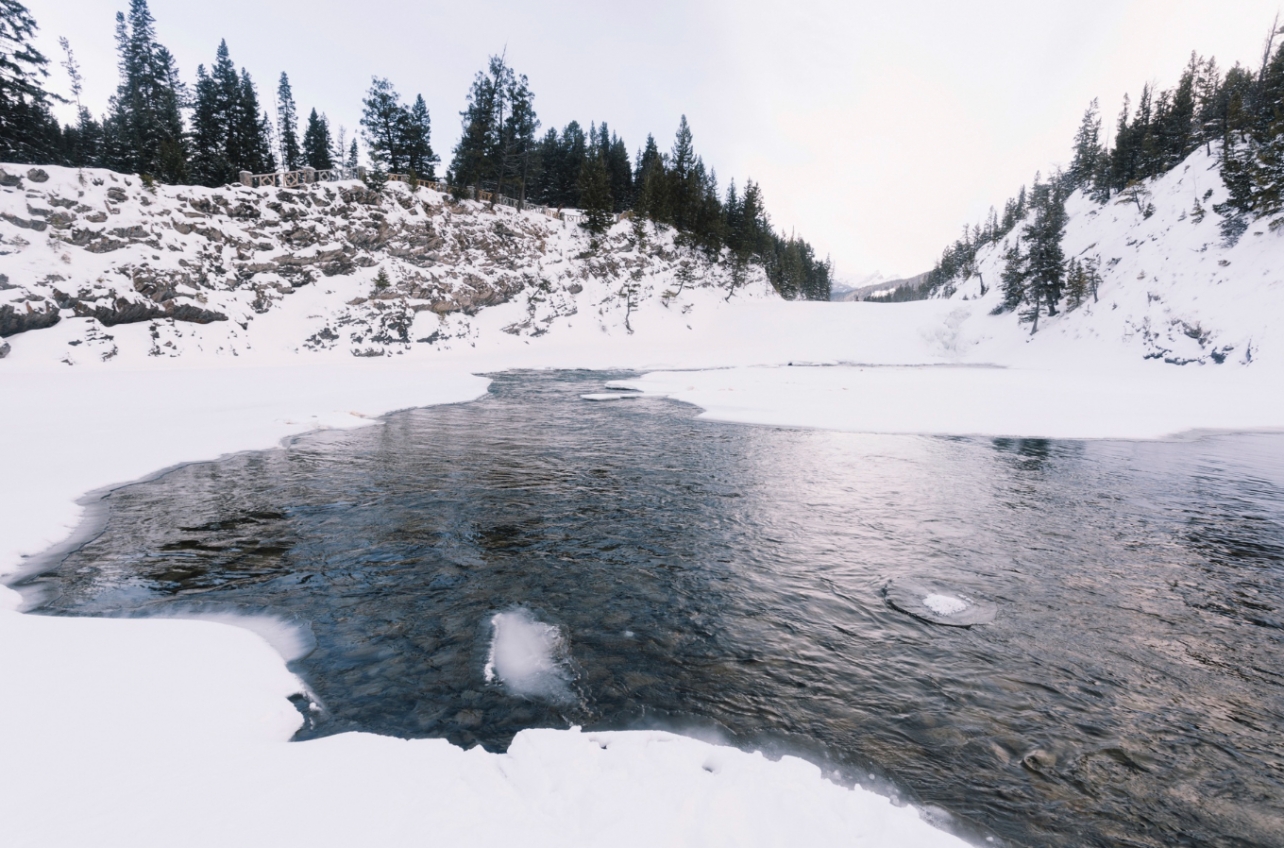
(1122, 682)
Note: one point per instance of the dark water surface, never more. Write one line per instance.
(1128, 691)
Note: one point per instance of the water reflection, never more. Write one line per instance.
(735, 578)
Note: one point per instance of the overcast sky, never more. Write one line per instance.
(876, 129)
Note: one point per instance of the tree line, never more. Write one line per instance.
(206, 133)
(1237, 116)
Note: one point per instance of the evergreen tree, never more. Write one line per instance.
(1087, 149)
(685, 191)
(209, 163)
(146, 128)
(28, 131)
(519, 135)
(420, 160)
(316, 143)
(1045, 261)
(499, 124)
(81, 143)
(287, 121)
(595, 195)
(470, 164)
(353, 160)
(384, 124)
(230, 133)
(619, 170)
(1013, 278)
(651, 183)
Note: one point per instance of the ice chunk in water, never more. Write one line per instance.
(528, 657)
(932, 602)
(945, 604)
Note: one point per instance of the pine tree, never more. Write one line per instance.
(1045, 261)
(651, 184)
(595, 195)
(146, 126)
(287, 121)
(684, 188)
(619, 170)
(353, 160)
(1013, 277)
(498, 139)
(384, 125)
(253, 130)
(209, 162)
(420, 160)
(519, 134)
(1085, 165)
(28, 131)
(316, 143)
(81, 142)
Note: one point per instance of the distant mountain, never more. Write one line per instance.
(885, 290)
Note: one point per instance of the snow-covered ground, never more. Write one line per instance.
(175, 732)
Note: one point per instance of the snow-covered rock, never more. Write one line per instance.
(213, 272)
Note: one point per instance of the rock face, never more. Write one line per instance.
(17, 320)
(99, 247)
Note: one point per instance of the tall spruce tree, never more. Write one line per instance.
(651, 182)
(1087, 149)
(420, 159)
(230, 133)
(519, 135)
(684, 192)
(287, 122)
(498, 138)
(595, 194)
(209, 162)
(145, 125)
(317, 144)
(28, 130)
(1045, 261)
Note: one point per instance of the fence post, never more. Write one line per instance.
(247, 179)
(309, 174)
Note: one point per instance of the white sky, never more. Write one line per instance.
(876, 129)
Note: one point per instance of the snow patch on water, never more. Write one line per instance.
(945, 604)
(601, 396)
(529, 657)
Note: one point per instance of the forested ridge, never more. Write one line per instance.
(1236, 115)
(205, 132)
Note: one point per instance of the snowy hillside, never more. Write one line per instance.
(1172, 290)
(106, 266)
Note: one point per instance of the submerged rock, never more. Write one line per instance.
(937, 604)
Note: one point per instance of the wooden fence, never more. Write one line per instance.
(309, 176)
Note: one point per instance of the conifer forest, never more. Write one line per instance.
(205, 131)
(1237, 115)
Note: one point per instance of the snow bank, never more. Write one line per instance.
(1141, 401)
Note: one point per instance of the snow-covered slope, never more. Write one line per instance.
(1172, 289)
(123, 268)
